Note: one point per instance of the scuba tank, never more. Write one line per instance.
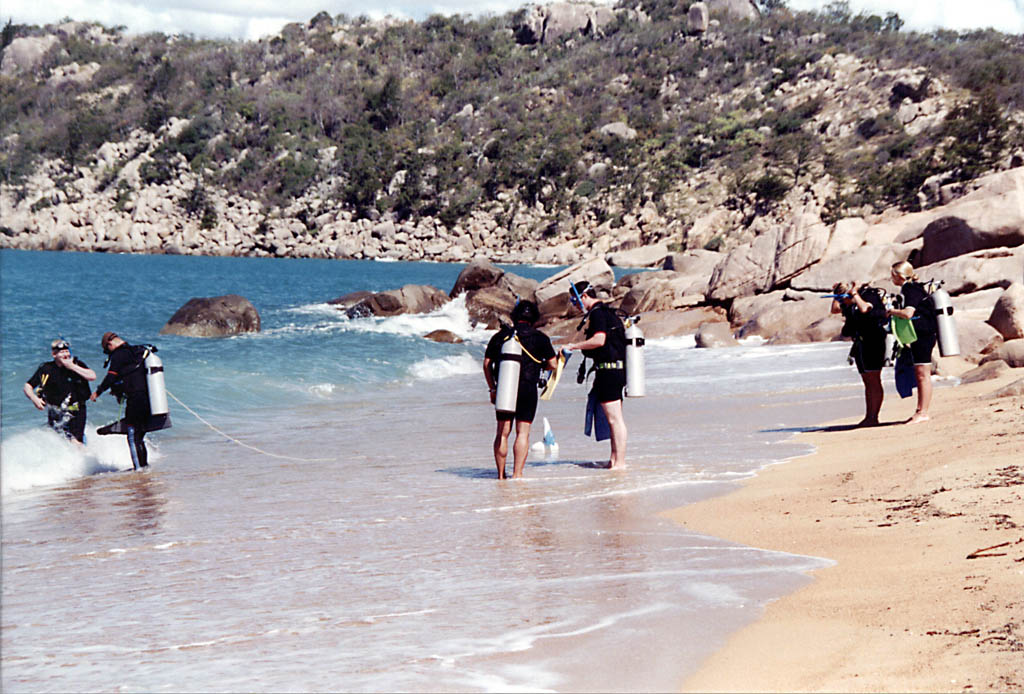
(949, 344)
(508, 375)
(636, 381)
(155, 382)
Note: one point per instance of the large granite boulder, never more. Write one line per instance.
(697, 18)
(975, 337)
(866, 264)
(214, 317)
(801, 244)
(747, 270)
(996, 267)
(644, 256)
(948, 237)
(595, 270)
(347, 301)
(847, 236)
(784, 322)
(1012, 352)
(478, 274)
(1008, 314)
(659, 291)
(412, 298)
(25, 53)
(977, 304)
(658, 324)
(490, 305)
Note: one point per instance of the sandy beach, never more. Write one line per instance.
(924, 523)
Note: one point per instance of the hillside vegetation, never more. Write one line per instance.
(712, 134)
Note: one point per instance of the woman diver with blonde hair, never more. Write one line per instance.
(917, 307)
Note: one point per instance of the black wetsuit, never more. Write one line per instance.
(914, 294)
(867, 331)
(609, 364)
(536, 345)
(65, 393)
(126, 375)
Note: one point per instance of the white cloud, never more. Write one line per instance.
(252, 19)
(927, 15)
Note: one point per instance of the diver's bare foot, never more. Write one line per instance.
(918, 417)
(867, 423)
(616, 466)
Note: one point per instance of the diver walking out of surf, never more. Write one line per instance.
(605, 343)
(864, 311)
(61, 387)
(134, 373)
(513, 361)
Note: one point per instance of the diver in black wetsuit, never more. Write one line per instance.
(126, 377)
(61, 387)
(864, 311)
(605, 343)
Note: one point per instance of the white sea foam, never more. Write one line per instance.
(40, 457)
(434, 369)
(322, 390)
(452, 316)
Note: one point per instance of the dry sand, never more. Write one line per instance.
(915, 601)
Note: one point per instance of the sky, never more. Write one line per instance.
(253, 19)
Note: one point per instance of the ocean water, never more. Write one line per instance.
(324, 515)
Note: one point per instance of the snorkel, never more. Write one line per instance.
(574, 297)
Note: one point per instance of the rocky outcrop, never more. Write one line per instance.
(547, 23)
(25, 54)
(412, 298)
(697, 18)
(216, 316)
(1008, 313)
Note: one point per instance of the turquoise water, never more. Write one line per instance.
(323, 514)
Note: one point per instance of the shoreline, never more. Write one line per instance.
(912, 602)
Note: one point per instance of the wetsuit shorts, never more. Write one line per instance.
(868, 355)
(608, 384)
(922, 348)
(526, 405)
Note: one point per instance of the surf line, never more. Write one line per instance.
(242, 443)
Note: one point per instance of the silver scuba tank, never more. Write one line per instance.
(508, 376)
(155, 383)
(636, 380)
(949, 344)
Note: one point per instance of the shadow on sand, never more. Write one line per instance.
(832, 428)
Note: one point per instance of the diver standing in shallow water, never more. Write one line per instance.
(864, 311)
(605, 343)
(537, 354)
(126, 377)
(61, 387)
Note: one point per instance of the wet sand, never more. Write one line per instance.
(926, 525)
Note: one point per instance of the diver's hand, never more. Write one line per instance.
(92, 398)
(40, 405)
